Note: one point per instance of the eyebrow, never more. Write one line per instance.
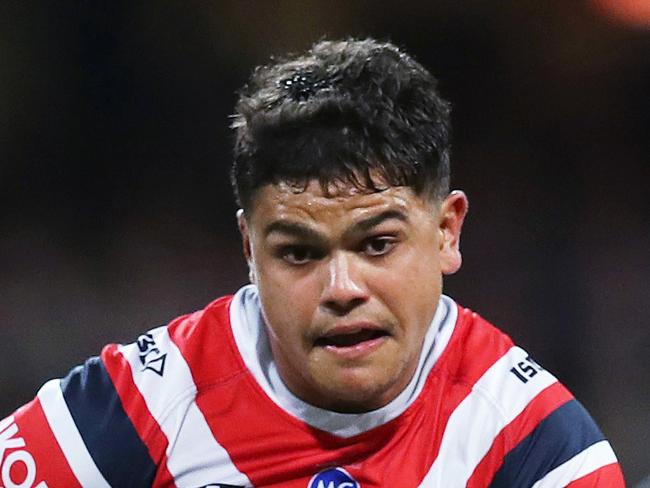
(299, 230)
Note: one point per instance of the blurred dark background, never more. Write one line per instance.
(116, 212)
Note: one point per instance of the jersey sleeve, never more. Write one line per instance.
(78, 431)
(563, 448)
(552, 441)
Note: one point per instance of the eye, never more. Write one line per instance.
(298, 255)
(378, 246)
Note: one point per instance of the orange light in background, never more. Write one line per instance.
(635, 13)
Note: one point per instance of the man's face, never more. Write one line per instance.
(349, 283)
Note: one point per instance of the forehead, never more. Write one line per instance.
(336, 205)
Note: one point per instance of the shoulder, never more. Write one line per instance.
(128, 403)
(525, 426)
(167, 364)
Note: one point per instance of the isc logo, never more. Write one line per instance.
(526, 369)
(150, 356)
(18, 468)
(333, 478)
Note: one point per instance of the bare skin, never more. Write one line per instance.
(349, 282)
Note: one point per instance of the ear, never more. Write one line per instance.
(452, 214)
(246, 243)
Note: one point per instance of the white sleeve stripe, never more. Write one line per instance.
(170, 397)
(476, 422)
(65, 431)
(594, 457)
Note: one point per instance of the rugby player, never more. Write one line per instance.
(341, 364)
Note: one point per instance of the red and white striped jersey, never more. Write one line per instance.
(199, 403)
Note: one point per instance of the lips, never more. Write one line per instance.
(352, 340)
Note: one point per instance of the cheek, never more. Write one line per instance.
(412, 286)
(414, 267)
(289, 301)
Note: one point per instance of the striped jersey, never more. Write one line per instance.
(199, 403)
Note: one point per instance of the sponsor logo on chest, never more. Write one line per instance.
(333, 478)
(17, 467)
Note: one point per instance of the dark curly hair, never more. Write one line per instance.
(353, 111)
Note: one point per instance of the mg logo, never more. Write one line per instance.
(333, 478)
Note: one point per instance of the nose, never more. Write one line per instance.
(343, 290)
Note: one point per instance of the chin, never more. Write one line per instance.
(357, 394)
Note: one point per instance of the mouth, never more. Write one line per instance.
(352, 341)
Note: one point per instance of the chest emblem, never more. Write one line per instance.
(333, 478)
